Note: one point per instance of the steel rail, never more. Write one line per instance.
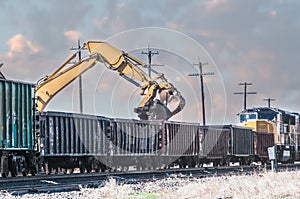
(74, 182)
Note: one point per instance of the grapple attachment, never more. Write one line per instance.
(162, 109)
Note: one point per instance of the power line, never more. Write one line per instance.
(201, 74)
(269, 101)
(79, 48)
(245, 93)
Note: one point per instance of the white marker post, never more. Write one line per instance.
(272, 157)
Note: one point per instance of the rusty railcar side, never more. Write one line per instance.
(261, 143)
(223, 144)
(242, 140)
(134, 143)
(181, 144)
(180, 139)
(134, 137)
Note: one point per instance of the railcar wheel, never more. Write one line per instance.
(199, 164)
(81, 167)
(25, 173)
(4, 174)
(14, 173)
(4, 165)
(14, 170)
(88, 169)
(49, 170)
(103, 168)
(216, 163)
(34, 170)
(191, 163)
(291, 161)
(243, 162)
(225, 162)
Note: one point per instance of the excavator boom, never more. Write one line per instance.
(128, 67)
(51, 85)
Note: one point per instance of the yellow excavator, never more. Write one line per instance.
(161, 99)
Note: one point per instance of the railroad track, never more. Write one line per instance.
(73, 182)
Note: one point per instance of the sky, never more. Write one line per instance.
(241, 41)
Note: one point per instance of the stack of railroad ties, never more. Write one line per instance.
(33, 140)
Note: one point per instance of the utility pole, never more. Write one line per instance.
(245, 93)
(269, 101)
(80, 78)
(150, 53)
(201, 74)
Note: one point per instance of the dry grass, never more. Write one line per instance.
(264, 186)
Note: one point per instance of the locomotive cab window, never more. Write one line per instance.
(248, 116)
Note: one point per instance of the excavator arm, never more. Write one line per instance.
(128, 67)
(50, 85)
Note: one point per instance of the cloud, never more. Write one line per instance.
(100, 22)
(246, 39)
(273, 13)
(121, 5)
(174, 25)
(73, 35)
(19, 44)
(210, 5)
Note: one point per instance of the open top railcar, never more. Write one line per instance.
(18, 137)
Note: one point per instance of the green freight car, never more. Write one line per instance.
(18, 138)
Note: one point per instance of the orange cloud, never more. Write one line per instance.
(273, 13)
(73, 35)
(174, 25)
(214, 3)
(18, 44)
